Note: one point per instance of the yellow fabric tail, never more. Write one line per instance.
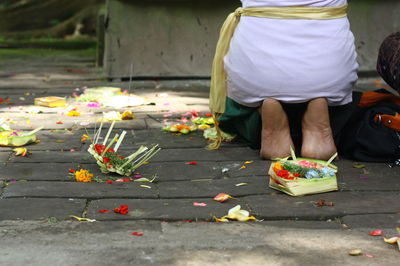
(216, 143)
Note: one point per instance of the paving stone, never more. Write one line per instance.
(54, 157)
(160, 209)
(374, 177)
(36, 171)
(79, 190)
(169, 171)
(209, 189)
(37, 209)
(256, 168)
(389, 222)
(4, 156)
(188, 155)
(346, 203)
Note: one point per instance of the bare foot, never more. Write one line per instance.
(275, 136)
(318, 140)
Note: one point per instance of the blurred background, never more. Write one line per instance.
(159, 38)
(48, 19)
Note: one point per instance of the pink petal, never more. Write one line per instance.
(199, 204)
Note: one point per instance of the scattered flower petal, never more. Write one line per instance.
(241, 184)
(123, 180)
(71, 171)
(392, 240)
(59, 122)
(85, 124)
(137, 234)
(123, 209)
(243, 167)
(236, 214)
(376, 233)
(192, 163)
(104, 211)
(73, 113)
(222, 197)
(94, 105)
(248, 162)
(369, 256)
(144, 186)
(20, 152)
(143, 179)
(109, 181)
(80, 219)
(199, 204)
(322, 203)
(83, 176)
(358, 166)
(355, 252)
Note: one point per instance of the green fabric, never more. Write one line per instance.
(243, 121)
(246, 123)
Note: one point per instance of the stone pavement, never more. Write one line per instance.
(37, 196)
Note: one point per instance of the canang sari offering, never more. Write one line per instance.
(300, 176)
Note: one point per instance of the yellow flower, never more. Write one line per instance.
(83, 176)
(73, 113)
(127, 115)
(84, 138)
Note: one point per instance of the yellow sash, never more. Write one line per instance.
(218, 76)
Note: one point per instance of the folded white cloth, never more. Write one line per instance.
(291, 60)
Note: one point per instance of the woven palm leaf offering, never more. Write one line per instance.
(17, 138)
(110, 161)
(300, 176)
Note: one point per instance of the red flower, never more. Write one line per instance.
(71, 171)
(106, 159)
(136, 234)
(123, 209)
(109, 165)
(121, 157)
(110, 150)
(59, 122)
(104, 211)
(99, 148)
(192, 163)
(283, 173)
(109, 181)
(208, 115)
(297, 175)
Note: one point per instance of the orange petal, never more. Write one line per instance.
(222, 197)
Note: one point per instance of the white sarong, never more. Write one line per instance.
(291, 60)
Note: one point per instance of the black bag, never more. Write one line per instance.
(369, 138)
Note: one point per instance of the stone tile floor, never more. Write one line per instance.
(37, 187)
